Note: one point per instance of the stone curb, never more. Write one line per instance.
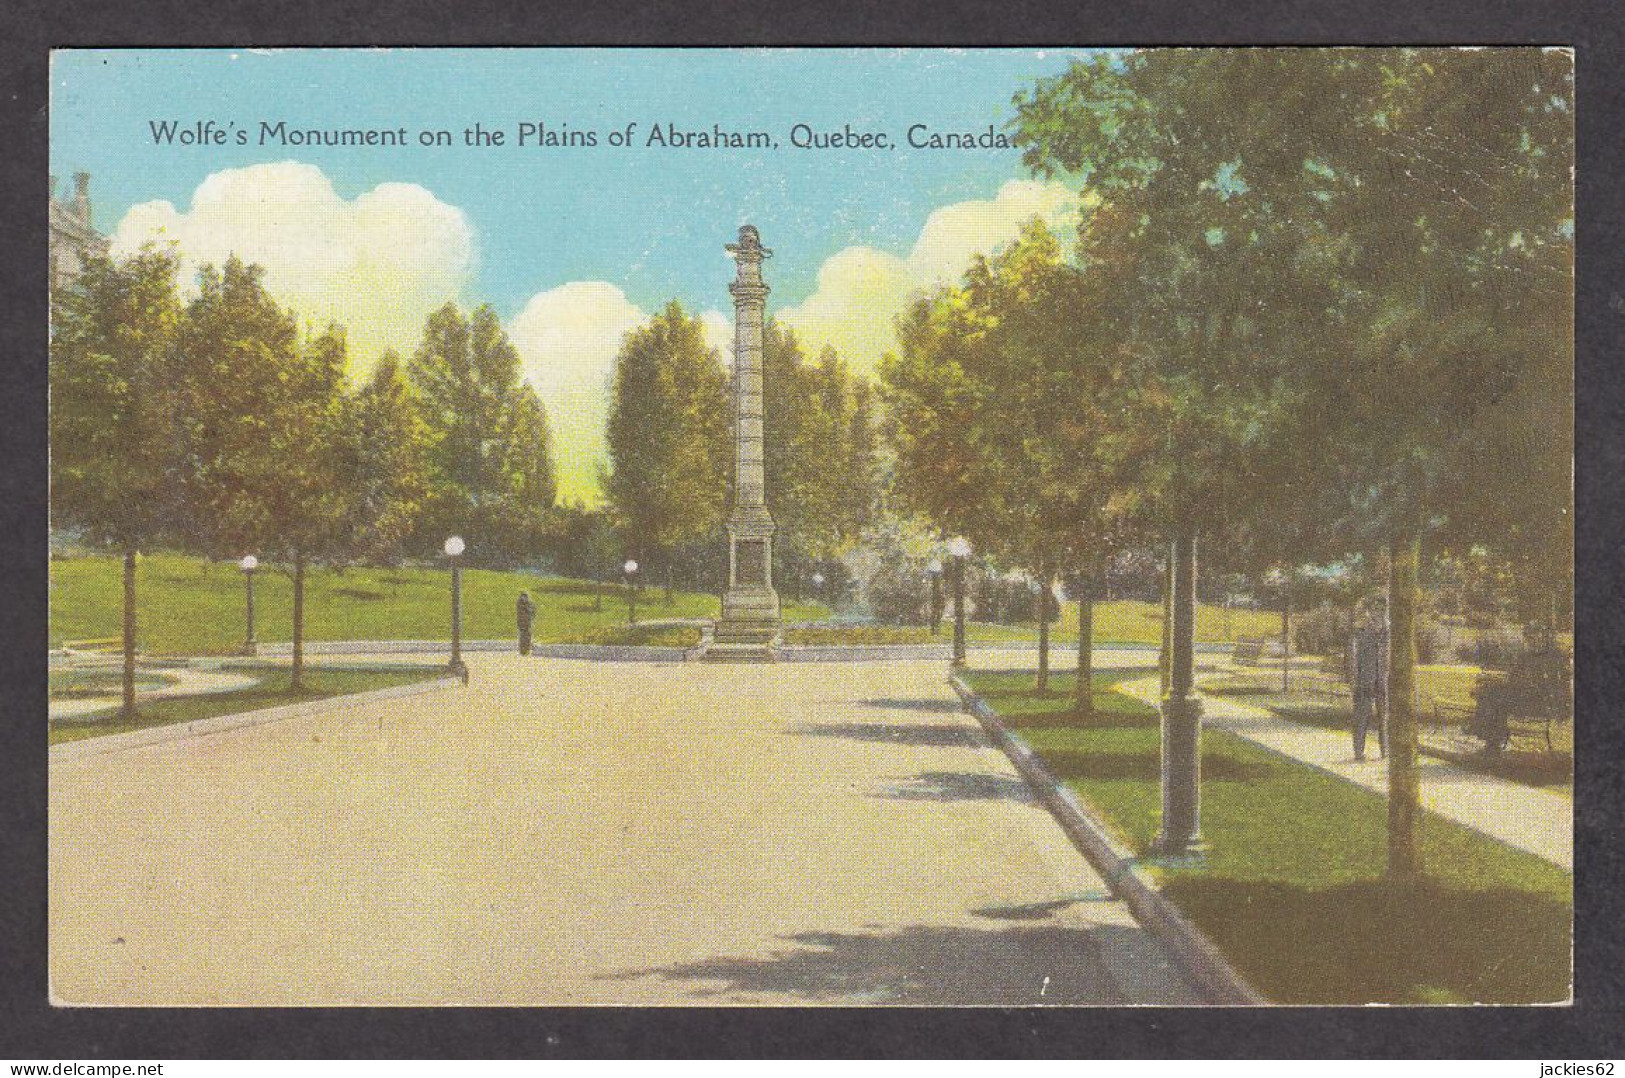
(824, 653)
(615, 653)
(219, 724)
(665, 654)
(1118, 865)
(384, 647)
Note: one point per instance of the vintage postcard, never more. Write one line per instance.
(988, 527)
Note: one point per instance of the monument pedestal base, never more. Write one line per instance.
(749, 627)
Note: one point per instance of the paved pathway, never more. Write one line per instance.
(1528, 818)
(570, 832)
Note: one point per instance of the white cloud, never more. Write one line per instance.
(719, 334)
(378, 264)
(567, 338)
(954, 233)
(861, 289)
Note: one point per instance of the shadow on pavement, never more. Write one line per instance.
(921, 965)
(930, 707)
(960, 786)
(1038, 911)
(922, 735)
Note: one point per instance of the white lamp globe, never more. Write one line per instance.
(818, 580)
(959, 546)
(454, 546)
(934, 567)
(630, 567)
(249, 563)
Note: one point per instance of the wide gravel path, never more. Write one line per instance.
(566, 832)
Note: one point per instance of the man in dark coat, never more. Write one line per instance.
(1368, 679)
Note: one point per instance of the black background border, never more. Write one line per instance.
(30, 1029)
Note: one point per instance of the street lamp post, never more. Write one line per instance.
(249, 564)
(1180, 836)
(959, 548)
(934, 568)
(454, 550)
(631, 571)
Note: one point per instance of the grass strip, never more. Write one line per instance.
(1293, 889)
(274, 690)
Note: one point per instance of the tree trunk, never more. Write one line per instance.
(1043, 630)
(1086, 644)
(1404, 782)
(597, 596)
(670, 576)
(1165, 658)
(1286, 638)
(128, 711)
(297, 679)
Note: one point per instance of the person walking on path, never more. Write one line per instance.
(1368, 680)
(526, 611)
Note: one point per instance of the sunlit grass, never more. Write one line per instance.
(273, 690)
(189, 606)
(1293, 888)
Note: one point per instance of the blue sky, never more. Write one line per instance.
(648, 219)
(548, 234)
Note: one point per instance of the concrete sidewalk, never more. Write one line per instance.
(1524, 817)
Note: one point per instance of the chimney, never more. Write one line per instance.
(81, 196)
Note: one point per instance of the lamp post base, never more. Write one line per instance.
(458, 669)
(250, 648)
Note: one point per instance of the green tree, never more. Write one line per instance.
(1018, 350)
(529, 488)
(668, 435)
(489, 473)
(386, 467)
(1355, 290)
(817, 413)
(115, 458)
(267, 429)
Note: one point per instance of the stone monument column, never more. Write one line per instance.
(750, 609)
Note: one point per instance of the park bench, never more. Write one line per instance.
(1478, 716)
(1247, 652)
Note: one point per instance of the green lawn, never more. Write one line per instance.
(188, 606)
(641, 635)
(1117, 622)
(273, 690)
(1293, 890)
(78, 684)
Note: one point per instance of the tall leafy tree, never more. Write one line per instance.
(266, 426)
(817, 413)
(1020, 344)
(115, 457)
(488, 468)
(1355, 273)
(668, 435)
(385, 466)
